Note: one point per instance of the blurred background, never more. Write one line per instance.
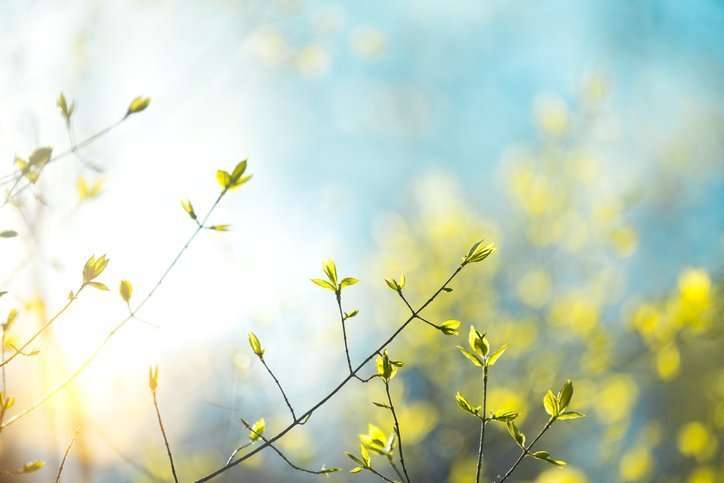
(586, 139)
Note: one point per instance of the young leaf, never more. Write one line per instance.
(65, 109)
(8, 234)
(138, 104)
(550, 403)
(223, 178)
(346, 282)
(474, 358)
(565, 395)
(365, 456)
(515, 433)
(450, 327)
(350, 314)
(478, 252)
(324, 284)
(94, 267)
(504, 416)
(330, 269)
(189, 208)
(126, 290)
(570, 415)
(220, 227)
(257, 429)
(465, 405)
(256, 345)
(32, 466)
(493, 358)
(98, 285)
(153, 378)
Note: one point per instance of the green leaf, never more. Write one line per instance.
(447, 289)
(478, 342)
(256, 345)
(474, 358)
(348, 281)
(478, 252)
(515, 433)
(381, 405)
(565, 395)
(324, 284)
(238, 171)
(550, 403)
(354, 458)
(449, 327)
(8, 234)
(392, 283)
(504, 416)
(350, 314)
(546, 456)
(465, 405)
(386, 367)
(493, 358)
(570, 415)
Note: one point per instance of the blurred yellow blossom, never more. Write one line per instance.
(696, 440)
(636, 464)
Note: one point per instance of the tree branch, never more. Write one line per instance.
(339, 386)
(397, 431)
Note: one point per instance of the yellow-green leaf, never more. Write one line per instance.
(324, 284)
(257, 429)
(138, 104)
(256, 345)
(223, 178)
(347, 281)
(189, 208)
(493, 358)
(550, 403)
(126, 290)
(450, 327)
(565, 395)
(474, 358)
(153, 378)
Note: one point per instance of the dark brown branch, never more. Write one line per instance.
(397, 431)
(165, 438)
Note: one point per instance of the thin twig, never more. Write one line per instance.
(165, 438)
(236, 451)
(282, 455)
(88, 360)
(20, 350)
(483, 422)
(344, 333)
(284, 395)
(339, 386)
(62, 462)
(397, 431)
(526, 450)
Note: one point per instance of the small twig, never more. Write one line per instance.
(165, 438)
(236, 451)
(526, 450)
(338, 294)
(44, 327)
(483, 422)
(284, 395)
(62, 462)
(281, 455)
(397, 430)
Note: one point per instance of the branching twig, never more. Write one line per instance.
(20, 350)
(88, 360)
(282, 455)
(525, 450)
(339, 386)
